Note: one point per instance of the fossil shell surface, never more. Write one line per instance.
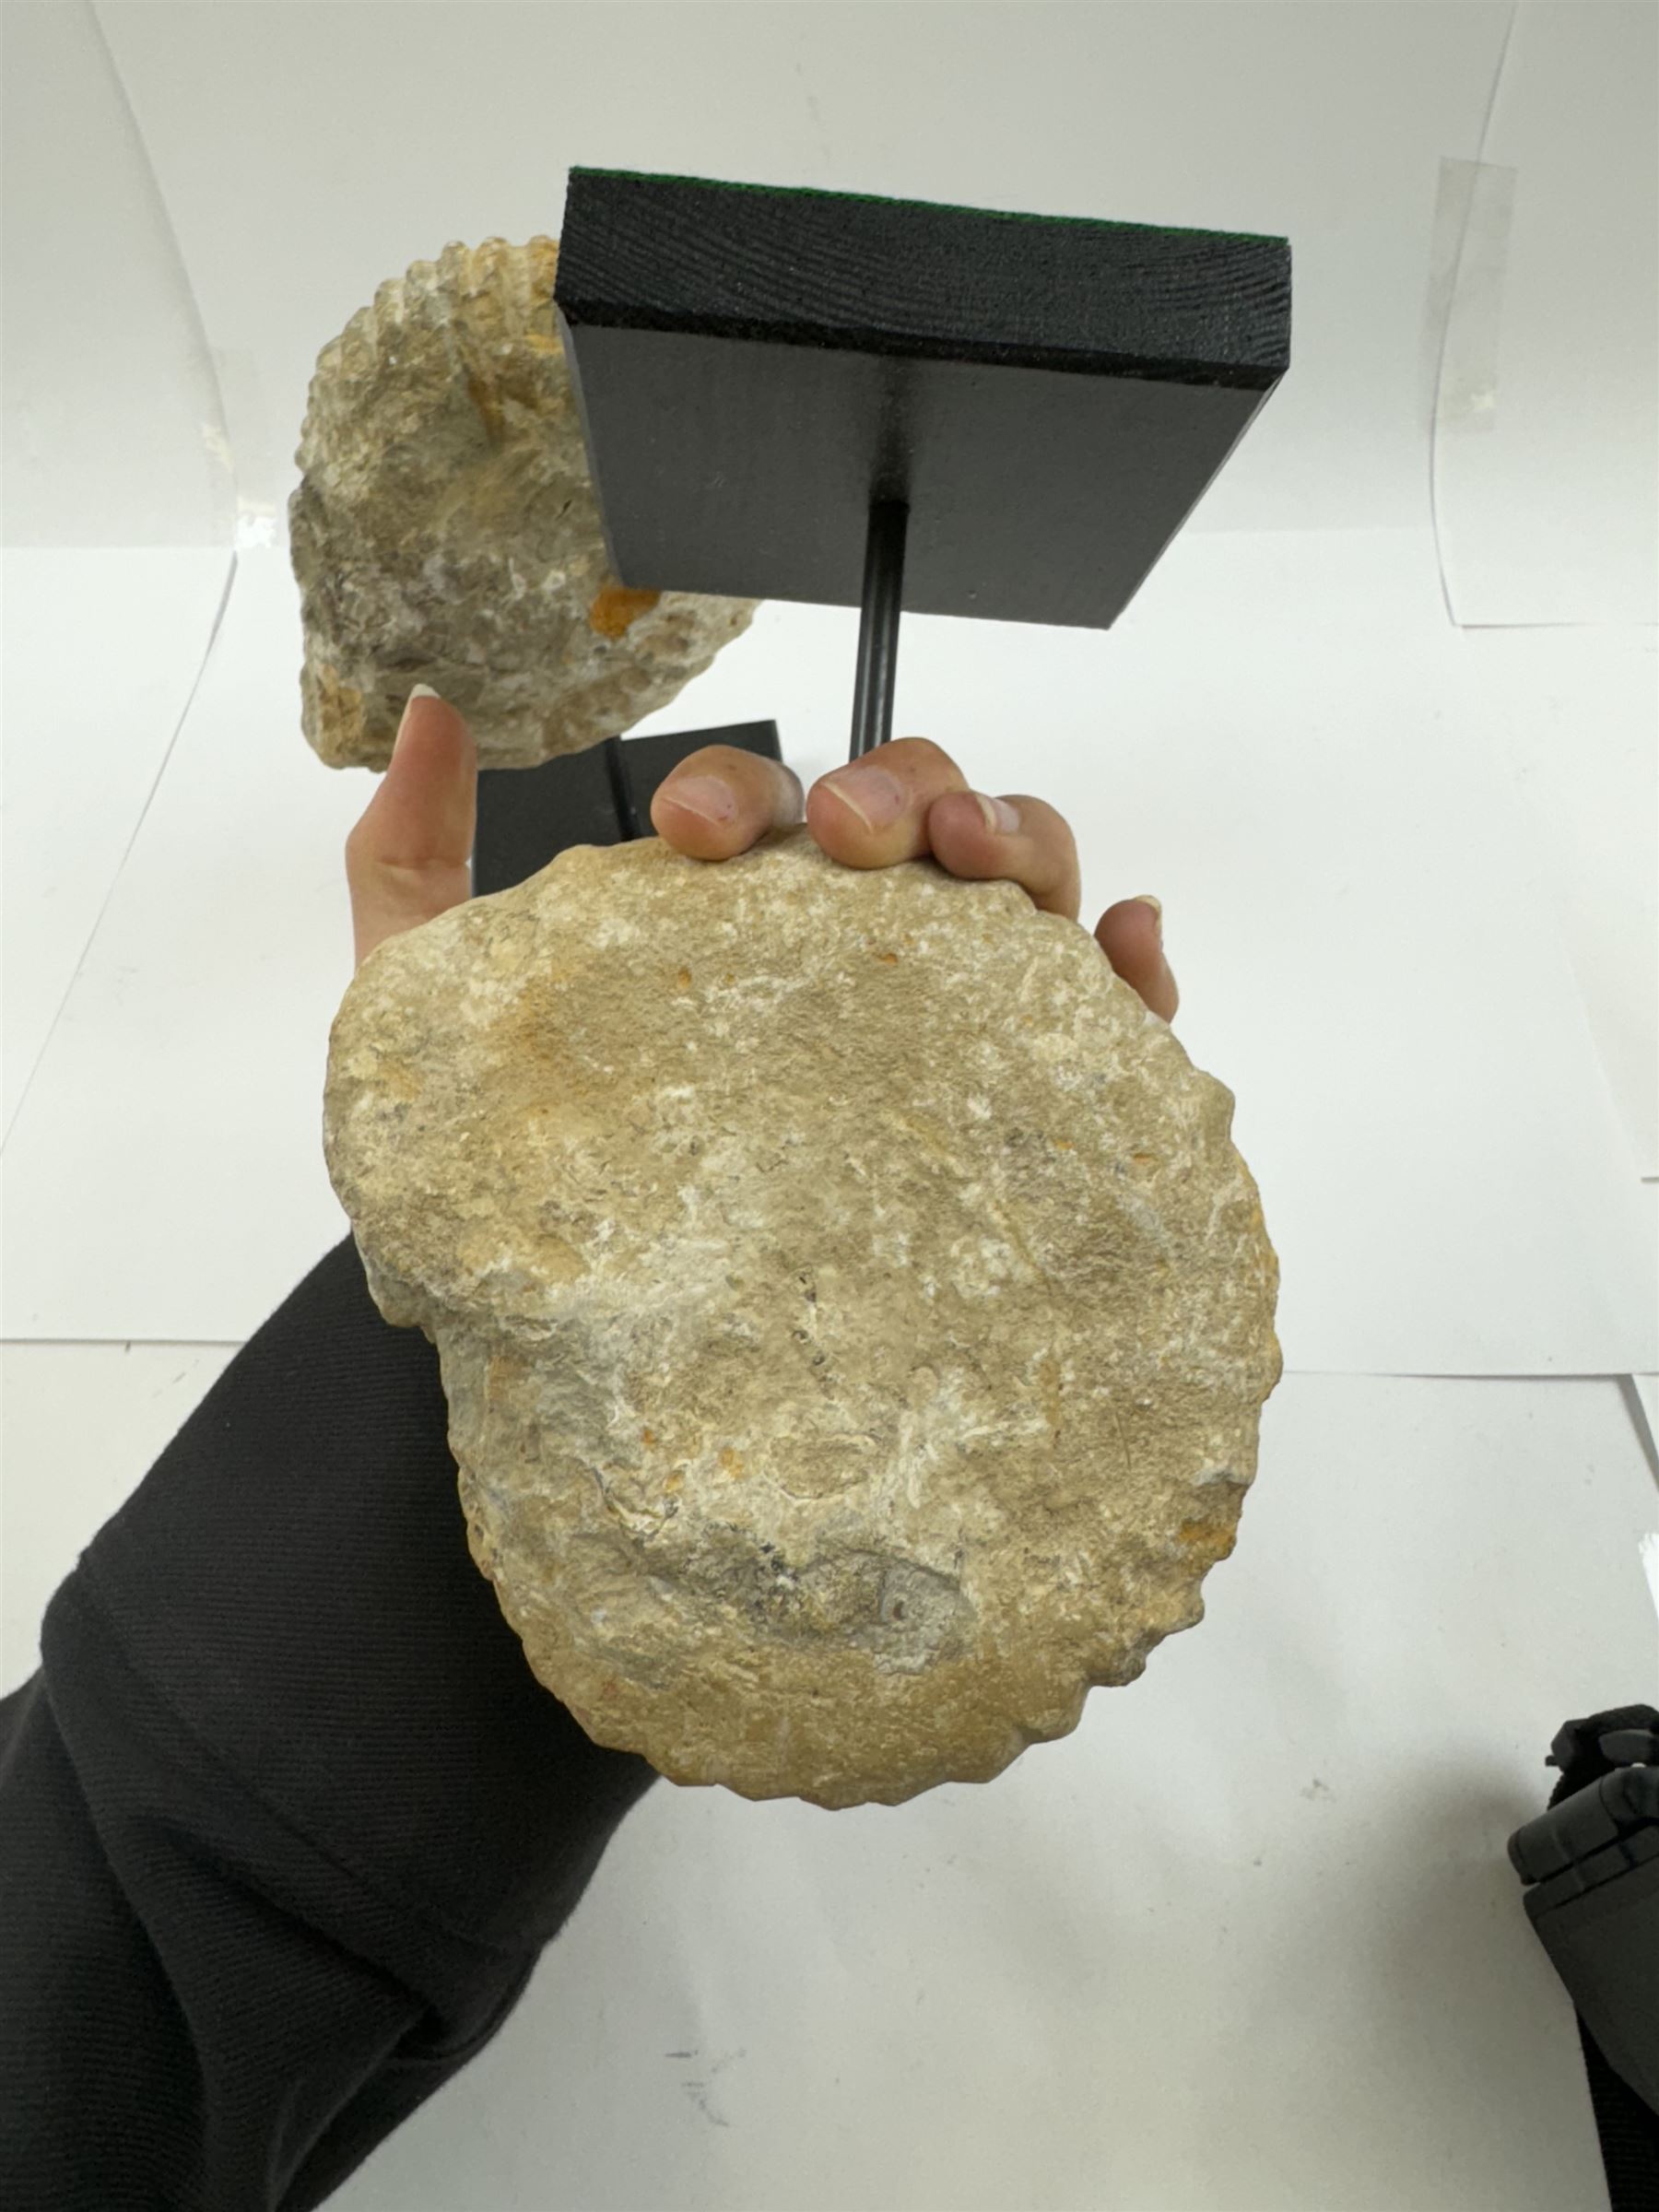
(853, 1314)
(446, 530)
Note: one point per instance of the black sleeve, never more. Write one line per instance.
(284, 1817)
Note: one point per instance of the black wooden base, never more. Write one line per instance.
(601, 796)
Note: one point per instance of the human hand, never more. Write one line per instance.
(907, 800)
(407, 858)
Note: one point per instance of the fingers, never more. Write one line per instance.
(884, 808)
(874, 811)
(721, 800)
(1131, 935)
(1039, 853)
(910, 797)
(407, 857)
(905, 800)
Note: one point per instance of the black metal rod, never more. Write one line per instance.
(878, 626)
(616, 771)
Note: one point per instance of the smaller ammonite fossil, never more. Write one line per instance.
(446, 530)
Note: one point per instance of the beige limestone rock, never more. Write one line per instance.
(445, 530)
(853, 1314)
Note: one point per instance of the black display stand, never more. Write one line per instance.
(894, 405)
(600, 797)
(891, 404)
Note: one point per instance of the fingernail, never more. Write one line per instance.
(1146, 899)
(705, 796)
(1000, 816)
(874, 796)
(420, 691)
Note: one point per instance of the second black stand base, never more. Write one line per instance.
(601, 796)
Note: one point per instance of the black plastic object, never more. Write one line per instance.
(1591, 1866)
(600, 797)
(757, 367)
(878, 627)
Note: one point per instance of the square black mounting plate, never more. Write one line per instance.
(1050, 396)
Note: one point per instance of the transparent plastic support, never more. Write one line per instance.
(111, 415)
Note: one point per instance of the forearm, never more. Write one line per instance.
(287, 1746)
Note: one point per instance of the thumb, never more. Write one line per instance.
(407, 858)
